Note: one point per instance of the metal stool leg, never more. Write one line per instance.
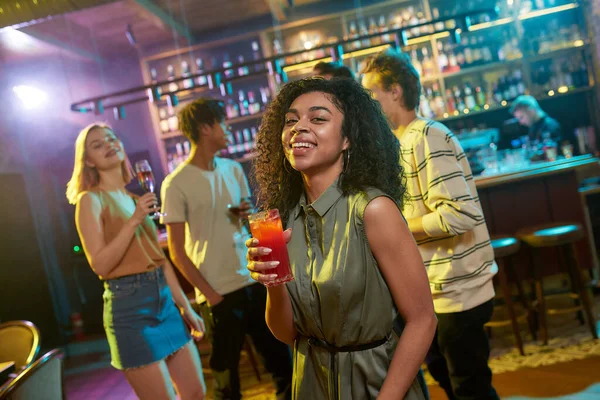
(539, 295)
(509, 304)
(583, 293)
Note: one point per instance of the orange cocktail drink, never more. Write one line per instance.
(266, 227)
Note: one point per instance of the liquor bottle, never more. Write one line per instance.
(173, 87)
(239, 145)
(201, 80)
(253, 105)
(185, 72)
(353, 33)
(480, 97)
(438, 100)
(469, 97)
(442, 58)
(362, 27)
(519, 80)
(416, 63)
(247, 139)
(467, 51)
(172, 121)
(452, 61)
(428, 66)
(497, 93)
(450, 102)
(243, 103)
(425, 107)
(439, 26)
(242, 71)
(154, 79)
(227, 64)
(383, 28)
(460, 104)
(163, 124)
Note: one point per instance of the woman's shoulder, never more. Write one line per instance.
(364, 197)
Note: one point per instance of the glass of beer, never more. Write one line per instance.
(266, 227)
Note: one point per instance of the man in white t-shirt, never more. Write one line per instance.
(206, 243)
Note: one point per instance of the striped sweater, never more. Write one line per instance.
(458, 255)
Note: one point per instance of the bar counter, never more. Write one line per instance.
(540, 193)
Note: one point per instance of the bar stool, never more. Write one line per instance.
(505, 247)
(563, 236)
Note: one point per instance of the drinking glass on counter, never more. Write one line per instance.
(567, 150)
(267, 228)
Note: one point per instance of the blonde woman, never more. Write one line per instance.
(148, 338)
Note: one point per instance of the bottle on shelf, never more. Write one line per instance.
(256, 55)
(173, 86)
(452, 61)
(154, 79)
(227, 64)
(383, 28)
(470, 102)
(439, 26)
(253, 105)
(438, 100)
(242, 71)
(443, 61)
(185, 72)
(201, 80)
(239, 143)
(480, 97)
(427, 65)
(450, 102)
(247, 139)
(172, 121)
(416, 63)
(232, 110)
(425, 107)
(243, 103)
(253, 133)
(163, 123)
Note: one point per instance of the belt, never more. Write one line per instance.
(314, 342)
(333, 350)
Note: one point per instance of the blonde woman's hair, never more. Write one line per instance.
(85, 177)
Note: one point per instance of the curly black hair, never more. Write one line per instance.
(374, 150)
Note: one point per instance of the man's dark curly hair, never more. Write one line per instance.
(374, 150)
(394, 67)
(202, 111)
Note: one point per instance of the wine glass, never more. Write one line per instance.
(147, 182)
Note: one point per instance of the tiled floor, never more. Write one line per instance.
(574, 373)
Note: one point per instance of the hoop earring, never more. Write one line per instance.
(346, 161)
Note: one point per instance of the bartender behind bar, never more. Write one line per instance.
(528, 112)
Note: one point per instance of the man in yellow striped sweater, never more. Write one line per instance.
(446, 219)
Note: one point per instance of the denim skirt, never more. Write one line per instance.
(142, 323)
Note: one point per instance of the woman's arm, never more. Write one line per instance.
(105, 257)
(178, 296)
(278, 314)
(190, 316)
(402, 267)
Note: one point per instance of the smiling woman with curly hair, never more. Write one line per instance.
(329, 162)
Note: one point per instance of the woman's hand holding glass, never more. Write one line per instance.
(145, 205)
(259, 269)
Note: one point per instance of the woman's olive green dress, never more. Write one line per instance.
(342, 307)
